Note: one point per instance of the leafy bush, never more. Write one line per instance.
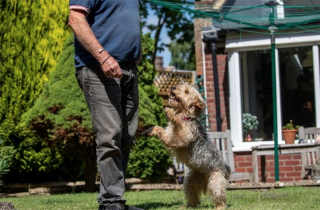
(6, 155)
(149, 159)
(32, 34)
(4, 169)
(31, 38)
(61, 124)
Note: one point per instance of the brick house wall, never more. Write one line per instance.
(289, 165)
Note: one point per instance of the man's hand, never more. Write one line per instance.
(111, 68)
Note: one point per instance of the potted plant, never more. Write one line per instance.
(289, 132)
(249, 123)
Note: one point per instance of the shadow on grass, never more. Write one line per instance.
(157, 205)
(177, 205)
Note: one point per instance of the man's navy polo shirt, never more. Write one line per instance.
(116, 25)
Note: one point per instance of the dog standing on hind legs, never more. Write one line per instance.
(187, 139)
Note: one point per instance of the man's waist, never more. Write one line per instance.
(121, 63)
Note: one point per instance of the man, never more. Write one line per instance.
(107, 49)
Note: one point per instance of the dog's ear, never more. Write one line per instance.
(199, 103)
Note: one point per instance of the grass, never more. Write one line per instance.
(285, 199)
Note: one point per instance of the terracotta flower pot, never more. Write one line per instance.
(289, 136)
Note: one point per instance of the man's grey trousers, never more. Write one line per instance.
(114, 106)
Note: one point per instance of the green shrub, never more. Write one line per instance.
(149, 159)
(6, 155)
(32, 34)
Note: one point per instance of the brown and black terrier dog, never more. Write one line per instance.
(187, 139)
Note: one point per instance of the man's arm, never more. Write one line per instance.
(140, 57)
(84, 34)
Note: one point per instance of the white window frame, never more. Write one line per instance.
(236, 43)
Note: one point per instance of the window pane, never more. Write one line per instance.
(297, 86)
(257, 94)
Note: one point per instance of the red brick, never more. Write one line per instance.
(270, 180)
(271, 163)
(285, 157)
(240, 158)
(268, 175)
(296, 157)
(269, 157)
(289, 174)
(240, 170)
(244, 164)
(285, 179)
(292, 162)
(286, 168)
(280, 174)
(250, 170)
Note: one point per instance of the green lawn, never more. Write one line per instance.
(288, 198)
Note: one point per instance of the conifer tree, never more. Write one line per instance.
(32, 34)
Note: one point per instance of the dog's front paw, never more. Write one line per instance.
(169, 112)
(221, 207)
(147, 132)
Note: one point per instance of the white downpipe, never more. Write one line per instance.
(204, 79)
(316, 72)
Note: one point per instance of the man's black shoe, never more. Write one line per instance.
(115, 206)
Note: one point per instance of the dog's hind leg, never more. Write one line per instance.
(216, 188)
(194, 185)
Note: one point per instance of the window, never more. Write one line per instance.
(297, 86)
(257, 94)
